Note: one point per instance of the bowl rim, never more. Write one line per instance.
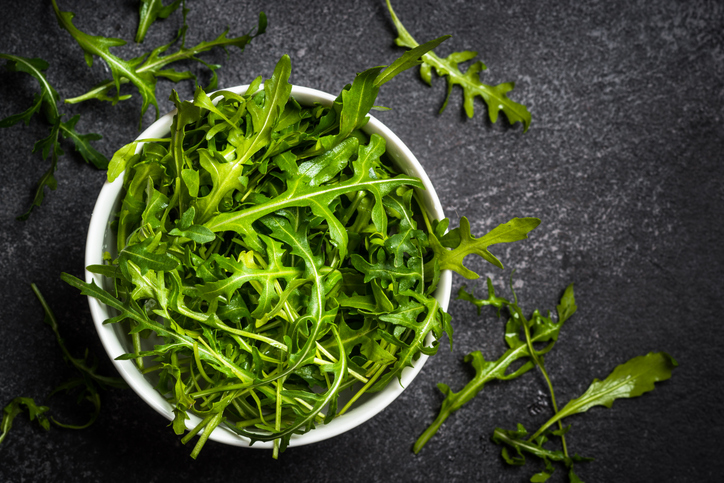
(99, 223)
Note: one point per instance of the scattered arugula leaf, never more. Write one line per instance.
(144, 71)
(495, 97)
(466, 244)
(542, 330)
(631, 379)
(516, 440)
(149, 11)
(88, 382)
(279, 258)
(15, 407)
(46, 104)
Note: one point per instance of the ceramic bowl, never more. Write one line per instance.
(116, 342)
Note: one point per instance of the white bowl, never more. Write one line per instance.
(116, 342)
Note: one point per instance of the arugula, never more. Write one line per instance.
(451, 256)
(13, 410)
(141, 71)
(516, 440)
(631, 379)
(149, 11)
(46, 105)
(496, 97)
(541, 330)
(87, 383)
(144, 71)
(529, 340)
(279, 257)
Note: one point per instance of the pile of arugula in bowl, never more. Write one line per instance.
(279, 257)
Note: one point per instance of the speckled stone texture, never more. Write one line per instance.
(623, 163)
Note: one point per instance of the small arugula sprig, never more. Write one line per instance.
(45, 104)
(13, 410)
(149, 11)
(279, 257)
(520, 335)
(88, 382)
(144, 71)
(632, 379)
(495, 97)
(451, 247)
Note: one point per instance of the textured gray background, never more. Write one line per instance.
(623, 163)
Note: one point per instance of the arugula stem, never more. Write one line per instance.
(351, 372)
(278, 413)
(211, 424)
(80, 365)
(136, 340)
(254, 421)
(199, 366)
(539, 363)
(364, 389)
(231, 330)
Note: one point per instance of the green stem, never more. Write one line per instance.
(78, 364)
(364, 389)
(539, 363)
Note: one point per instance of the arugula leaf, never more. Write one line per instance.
(542, 330)
(144, 71)
(515, 230)
(82, 143)
(516, 440)
(15, 407)
(149, 11)
(631, 379)
(46, 104)
(88, 383)
(97, 46)
(495, 97)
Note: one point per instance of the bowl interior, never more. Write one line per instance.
(116, 342)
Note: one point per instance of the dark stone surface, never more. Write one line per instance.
(623, 163)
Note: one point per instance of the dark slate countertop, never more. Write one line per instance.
(622, 162)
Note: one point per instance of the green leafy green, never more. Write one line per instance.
(15, 407)
(628, 380)
(282, 261)
(543, 330)
(631, 379)
(149, 11)
(87, 384)
(88, 380)
(144, 71)
(46, 105)
(530, 340)
(465, 244)
(516, 440)
(496, 97)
